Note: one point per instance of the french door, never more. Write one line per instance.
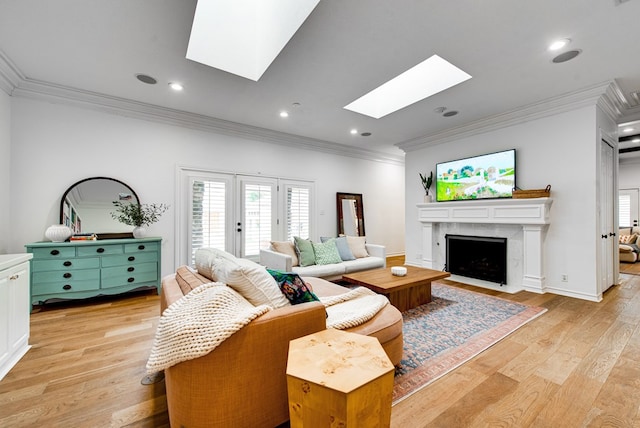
(239, 213)
(628, 207)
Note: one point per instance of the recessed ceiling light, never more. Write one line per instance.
(354, 131)
(145, 78)
(366, 134)
(559, 44)
(296, 105)
(636, 140)
(284, 114)
(439, 109)
(431, 76)
(450, 113)
(566, 56)
(627, 130)
(176, 86)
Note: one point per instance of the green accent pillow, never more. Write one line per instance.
(326, 253)
(304, 248)
(343, 247)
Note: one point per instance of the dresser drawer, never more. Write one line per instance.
(64, 287)
(54, 252)
(131, 279)
(99, 250)
(129, 270)
(71, 275)
(128, 259)
(69, 264)
(137, 248)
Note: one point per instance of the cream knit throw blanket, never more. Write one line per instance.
(197, 323)
(352, 308)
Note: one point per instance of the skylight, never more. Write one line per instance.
(431, 76)
(244, 37)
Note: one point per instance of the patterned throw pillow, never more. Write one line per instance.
(293, 287)
(628, 239)
(343, 247)
(326, 253)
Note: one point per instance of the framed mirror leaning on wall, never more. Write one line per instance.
(86, 207)
(350, 214)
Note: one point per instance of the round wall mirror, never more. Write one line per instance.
(87, 205)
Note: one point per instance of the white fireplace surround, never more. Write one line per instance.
(531, 214)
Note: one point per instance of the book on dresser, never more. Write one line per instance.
(89, 268)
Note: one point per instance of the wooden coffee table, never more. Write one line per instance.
(404, 292)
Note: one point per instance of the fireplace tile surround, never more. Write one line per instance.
(522, 221)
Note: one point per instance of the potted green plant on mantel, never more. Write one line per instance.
(426, 183)
(138, 215)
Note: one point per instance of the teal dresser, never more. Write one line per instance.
(81, 269)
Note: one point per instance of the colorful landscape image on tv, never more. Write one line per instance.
(487, 176)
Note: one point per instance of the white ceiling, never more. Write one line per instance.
(344, 49)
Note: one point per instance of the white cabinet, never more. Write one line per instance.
(14, 309)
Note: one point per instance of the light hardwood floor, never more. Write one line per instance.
(575, 366)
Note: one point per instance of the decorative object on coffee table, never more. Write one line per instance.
(404, 292)
(138, 215)
(337, 378)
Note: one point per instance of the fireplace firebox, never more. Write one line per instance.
(478, 257)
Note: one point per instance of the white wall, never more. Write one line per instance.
(559, 150)
(54, 146)
(5, 168)
(629, 177)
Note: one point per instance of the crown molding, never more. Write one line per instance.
(10, 76)
(16, 84)
(556, 105)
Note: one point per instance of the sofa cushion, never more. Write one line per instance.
(286, 247)
(293, 287)
(386, 325)
(321, 270)
(343, 247)
(356, 244)
(326, 253)
(188, 279)
(364, 263)
(625, 248)
(304, 248)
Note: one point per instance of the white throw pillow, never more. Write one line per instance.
(205, 259)
(356, 244)
(286, 247)
(251, 280)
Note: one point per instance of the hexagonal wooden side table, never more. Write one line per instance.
(339, 379)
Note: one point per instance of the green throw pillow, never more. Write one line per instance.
(343, 247)
(304, 248)
(326, 253)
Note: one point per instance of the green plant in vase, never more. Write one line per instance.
(426, 183)
(138, 215)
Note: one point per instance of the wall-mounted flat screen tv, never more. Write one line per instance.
(487, 176)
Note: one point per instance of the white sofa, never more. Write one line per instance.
(283, 262)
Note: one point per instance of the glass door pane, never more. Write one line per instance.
(258, 215)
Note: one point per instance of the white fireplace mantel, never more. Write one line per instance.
(531, 214)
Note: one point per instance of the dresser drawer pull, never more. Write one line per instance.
(54, 252)
(131, 258)
(100, 250)
(14, 277)
(131, 269)
(67, 263)
(66, 287)
(131, 279)
(140, 247)
(67, 275)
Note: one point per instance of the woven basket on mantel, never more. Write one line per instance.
(536, 193)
